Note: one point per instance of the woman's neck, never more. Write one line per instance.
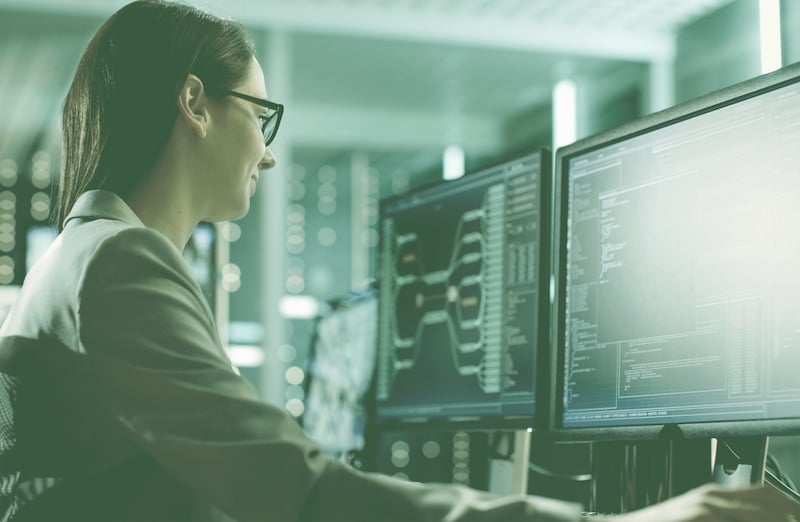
(164, 205)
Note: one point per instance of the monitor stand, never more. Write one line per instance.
(510, 477)
(521, 461)
(740, 461)
(627, 476)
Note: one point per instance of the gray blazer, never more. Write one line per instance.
(118, 402)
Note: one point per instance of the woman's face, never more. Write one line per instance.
(236, 152)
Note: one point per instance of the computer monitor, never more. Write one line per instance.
(37, 239)
(342, 364)
(464, 278)
(677, 282)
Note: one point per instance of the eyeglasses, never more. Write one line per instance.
(270, 121)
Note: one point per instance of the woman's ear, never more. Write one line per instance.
(193, 106)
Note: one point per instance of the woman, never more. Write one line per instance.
(120, 403)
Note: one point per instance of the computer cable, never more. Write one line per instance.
(773, 480)
(777, 479)
(778, 470)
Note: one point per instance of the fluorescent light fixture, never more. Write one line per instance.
(564, 113)
(245, 356)
(453, 162)
(769, 15)
(298, 307)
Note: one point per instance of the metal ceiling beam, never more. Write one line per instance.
(403, 23)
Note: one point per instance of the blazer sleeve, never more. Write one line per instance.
(161, 373)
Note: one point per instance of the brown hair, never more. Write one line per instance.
(122, 104)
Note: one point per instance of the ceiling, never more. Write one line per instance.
(394, 79)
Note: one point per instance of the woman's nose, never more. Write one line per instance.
(268, 161)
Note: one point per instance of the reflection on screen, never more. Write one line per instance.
(460, 296)
(681, 270)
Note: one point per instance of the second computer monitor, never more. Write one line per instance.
(463, 297)
(678, 274)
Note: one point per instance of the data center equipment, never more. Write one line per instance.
(677, 251)
(464, 303)
(448, 457)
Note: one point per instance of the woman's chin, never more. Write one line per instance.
(230, 214)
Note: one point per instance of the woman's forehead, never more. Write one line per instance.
(254, 81)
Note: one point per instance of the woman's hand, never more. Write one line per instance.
(713, 503)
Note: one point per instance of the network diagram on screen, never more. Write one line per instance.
(459, 290)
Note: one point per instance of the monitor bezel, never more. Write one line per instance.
(538, 418)
(739, 92)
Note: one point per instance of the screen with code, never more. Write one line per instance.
(679, 266)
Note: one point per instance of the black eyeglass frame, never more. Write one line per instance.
(277, 107)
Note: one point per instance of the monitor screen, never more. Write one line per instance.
(464, 273)
(37, 239)
(342, 363)
(677, 273)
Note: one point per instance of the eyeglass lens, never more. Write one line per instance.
(270, 126)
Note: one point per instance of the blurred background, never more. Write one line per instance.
(382, 97)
